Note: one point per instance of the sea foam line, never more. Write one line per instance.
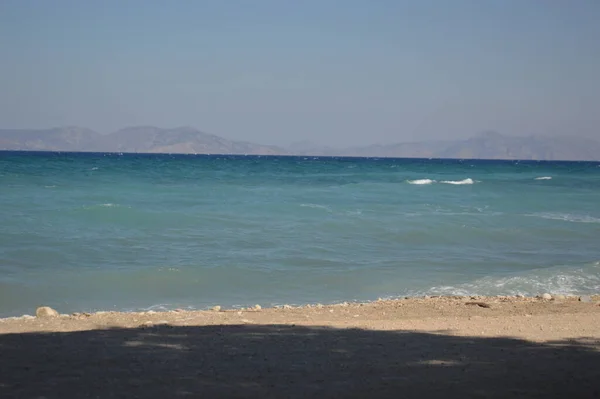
(566, 217)
(421, 181)
(431, 181)
(459, 182)
(543, 178)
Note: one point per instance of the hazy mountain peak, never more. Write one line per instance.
(187, 139)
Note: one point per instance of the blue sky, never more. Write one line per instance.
(279, 71)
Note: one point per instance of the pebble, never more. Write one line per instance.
(287, 307)
(319, 306)
(559, 297)
(46, 311)
(216, 308)
(546, 296)
(585, 299)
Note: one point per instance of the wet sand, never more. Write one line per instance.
(447, 347)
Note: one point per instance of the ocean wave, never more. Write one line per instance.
(543, 178)
(556, 280)
(459, 182)
(421, 181)
(431, 181)
(316, 206)
(566, 217)
(105, 205)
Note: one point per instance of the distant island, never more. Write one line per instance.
(188, 140)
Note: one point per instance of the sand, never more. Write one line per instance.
(450, 347)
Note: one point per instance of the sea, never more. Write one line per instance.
(85, 232)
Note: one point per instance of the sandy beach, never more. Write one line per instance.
(488, 347)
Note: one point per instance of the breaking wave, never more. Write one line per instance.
(430, 181)
(458, 182)
(567, 217)
(421, 181)
(556, 280)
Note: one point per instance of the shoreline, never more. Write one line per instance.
(416, 308)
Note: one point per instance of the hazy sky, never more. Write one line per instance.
(278, 71)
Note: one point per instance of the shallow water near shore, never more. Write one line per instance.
(83, 232)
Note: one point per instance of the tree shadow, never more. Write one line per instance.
(283, 361)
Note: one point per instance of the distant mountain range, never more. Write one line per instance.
(187, 140)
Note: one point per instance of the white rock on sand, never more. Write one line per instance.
(46, 311)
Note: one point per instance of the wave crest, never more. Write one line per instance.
(420, 181)
(459, 182)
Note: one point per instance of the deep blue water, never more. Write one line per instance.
(84, 232)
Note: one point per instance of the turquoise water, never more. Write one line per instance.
(83, 232)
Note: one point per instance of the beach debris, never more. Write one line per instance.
(46, 311)
(216, 308)
(178, 311)
(585, 299)
(319, 306)
(559, 297)
(257, 307)
(148, 324)
(546, 296)
(287, 307)
(480, 304)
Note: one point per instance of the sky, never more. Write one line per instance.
(339, 73)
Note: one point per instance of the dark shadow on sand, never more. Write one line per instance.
(280, 361)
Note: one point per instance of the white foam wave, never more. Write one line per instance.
(95, 168)
(106, 205)
(421, 181)
(557, 280)
(566, 217)
(431, 181)
(543, 178)
(459, 182)
(315, 206)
